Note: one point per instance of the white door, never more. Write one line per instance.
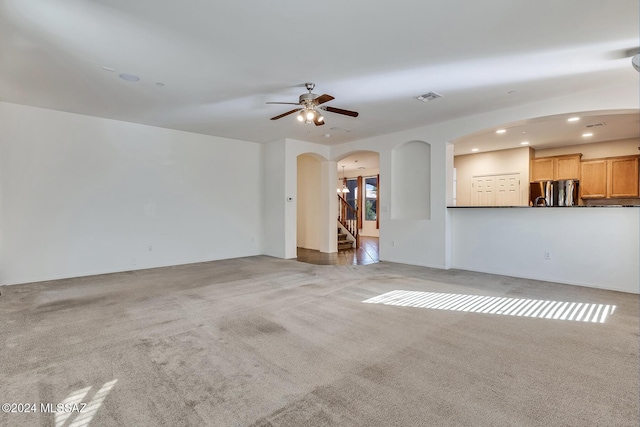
(483, 191)
(496, 190)
(508, 190)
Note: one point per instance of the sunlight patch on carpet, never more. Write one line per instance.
(542, 309)
(86, 411)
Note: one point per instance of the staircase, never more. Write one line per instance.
(343, 241)
(348, 229)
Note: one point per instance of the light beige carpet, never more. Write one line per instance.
(266, 342)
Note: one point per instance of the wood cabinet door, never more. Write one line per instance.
(593, 184)
(568, 167)
(542, 169)
(623, 177)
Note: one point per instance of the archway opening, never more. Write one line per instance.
(359, 207)
(503, 165)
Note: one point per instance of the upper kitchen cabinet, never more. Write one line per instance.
(568, 167)
(623, 177)
(593, 184)
(612, 177)
(555, 167)
(542, 169)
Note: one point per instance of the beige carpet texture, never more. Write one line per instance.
(261, 341)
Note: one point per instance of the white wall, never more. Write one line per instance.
(596, 247)
(274, 199)
(621, 147)
(280, 196)
(82, 195)
(308, 203)
(410, 241)
(411, 181)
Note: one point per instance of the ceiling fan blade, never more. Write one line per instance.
(286, 114)
(624, 53)
(340, 111)
(323, 98)
(317, 122)
(286, 103)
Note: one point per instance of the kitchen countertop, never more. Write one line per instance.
(540, 207)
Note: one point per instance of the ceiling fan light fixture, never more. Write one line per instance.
(309, 103)
(310, 115)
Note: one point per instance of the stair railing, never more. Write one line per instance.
(348, 218)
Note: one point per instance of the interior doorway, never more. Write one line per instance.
(358, 187)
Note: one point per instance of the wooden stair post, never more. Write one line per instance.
(348, 218)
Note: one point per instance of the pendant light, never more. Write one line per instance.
(344, 187)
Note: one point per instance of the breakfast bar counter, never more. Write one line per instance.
(572, 245)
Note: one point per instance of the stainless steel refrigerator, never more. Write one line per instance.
(554, 193)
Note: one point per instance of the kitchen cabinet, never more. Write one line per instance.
(568, 167)
(611, 177)
(593, 184)
(555, 167)
(623, 177)
(542, 169)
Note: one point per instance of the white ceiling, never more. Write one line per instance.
(554, 131)
(361, 160)
(219, 62)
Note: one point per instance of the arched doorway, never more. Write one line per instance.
(315, 214)
(358, 211)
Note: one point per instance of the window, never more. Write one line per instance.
(370, 198)
(370, 205)
(352, 196)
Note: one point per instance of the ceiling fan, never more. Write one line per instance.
(633, 53)
(310, 103)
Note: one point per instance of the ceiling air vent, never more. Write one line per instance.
(595, 125)
(428, 96)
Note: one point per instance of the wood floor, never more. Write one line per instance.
(367, 253)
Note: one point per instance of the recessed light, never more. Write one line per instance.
(129, 77)
(159, 84)
(327, 135)
(587, 134)
(524, 143)
(361, 167)
(108, 69)
(501, 131)
(475, 150)
(573, 119)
